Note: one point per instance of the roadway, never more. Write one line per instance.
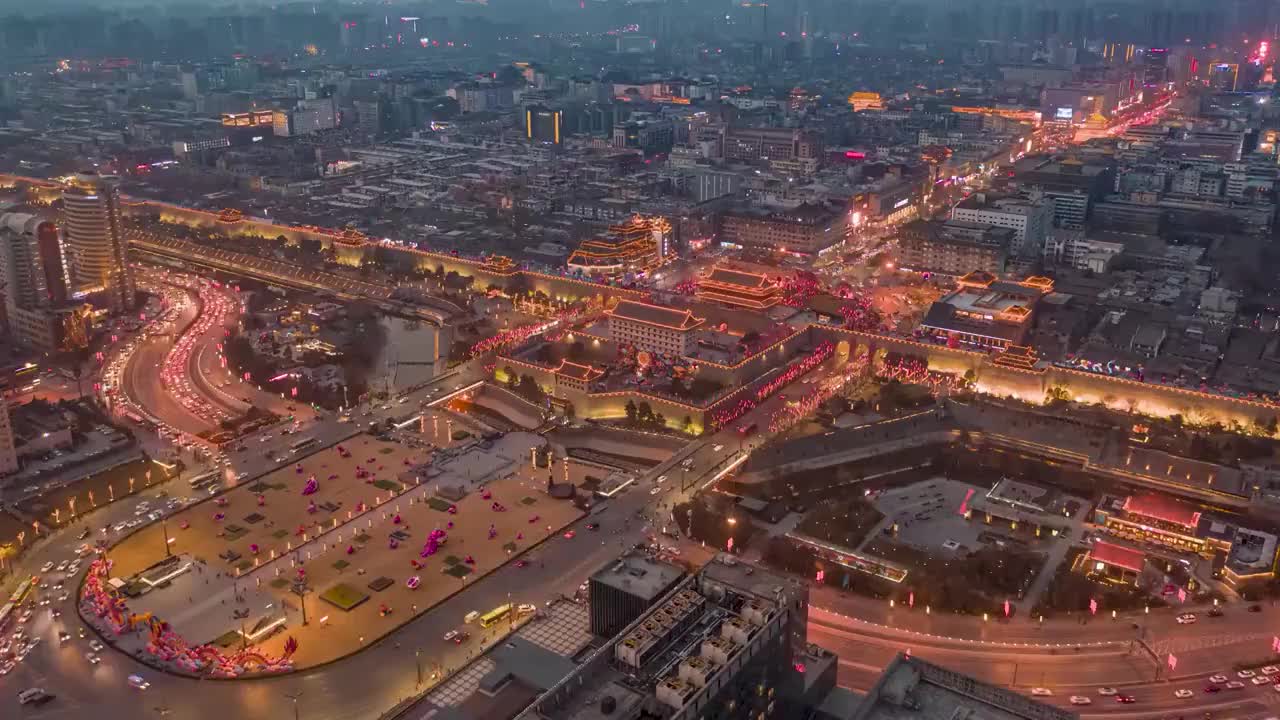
(279, 273)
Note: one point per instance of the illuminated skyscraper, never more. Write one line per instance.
(542, 124)
(95, 240)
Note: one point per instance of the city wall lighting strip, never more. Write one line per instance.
(445, 398)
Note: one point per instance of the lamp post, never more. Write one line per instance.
(417, 658)
(294, 697)
(164, 531)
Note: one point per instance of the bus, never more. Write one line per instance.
(302, 445)
(199, 481)
(6, 612)
(495, 615)
(20, 593)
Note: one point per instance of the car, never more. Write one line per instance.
(655, 491)
(1217, 678)
(93, 658)
(1081, 700)
(1183, 694)
(471, 617)
(526, 609)
(96, 645)
(593, 526)
(46, 567)
(451, 636)
(570, 535)
(64, 637)
(1186, 619)
(64, 597)
(1270, 670)
(1255, 608)
(1210, 689)
(521, 563)
(1215, 612)
(34, 696)
(662, 479)
(1261, 680)
(1235, 685)
(1041, 692)
(1106, 691)
(1246, 674)
(717, 448)
(138, 682)
(1125, 699)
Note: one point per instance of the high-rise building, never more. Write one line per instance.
(95, 240)
(8, 452)
(625, 590)
(36, 305)
(32, 261)
(1155, 67)
(542, 124)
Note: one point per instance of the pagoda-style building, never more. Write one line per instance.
(1017, 356)
(638, 245)
(499, 265)
(349, 248)
(739, 289)
(230, 216)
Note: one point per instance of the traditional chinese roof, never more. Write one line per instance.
(585, 373)
(1118, 556)
(1163, 508)
(654, 315)
(735, 287)
(1018, 356)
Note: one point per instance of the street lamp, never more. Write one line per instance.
(417, 658)
(294, 697)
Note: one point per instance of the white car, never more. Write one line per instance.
(138, 682)
(717, 448)
(662, 479)
(96, 645)
(449, 636)
(1041, 692)
(1235, 685)
(92, 658)
(1186, 619)
(1183, 694)
(1107, 691)
(1081, 700)
(1246, 674)
(46, 567)
(1262, 680)
(1219, 679)
(1270, 670)
(655, 491)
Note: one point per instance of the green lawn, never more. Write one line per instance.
(439, 504)
(343, 596)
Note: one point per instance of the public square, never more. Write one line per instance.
(356, 542)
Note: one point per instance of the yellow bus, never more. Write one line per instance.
(495, 615)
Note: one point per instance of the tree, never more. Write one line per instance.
(645, 412)
(512, 378)
(659, 420)
(632, 411)
(1056, 394)
(687, 423)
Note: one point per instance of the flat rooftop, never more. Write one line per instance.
(912, 689)
(638, 574)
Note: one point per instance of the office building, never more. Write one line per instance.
(95, 241)
(806, 229)
(627, 589)
(953, 248)
(542, 124)
(729, 642)
(772, 144)
(1155, 68)
(654, 328)
(1030, 221)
